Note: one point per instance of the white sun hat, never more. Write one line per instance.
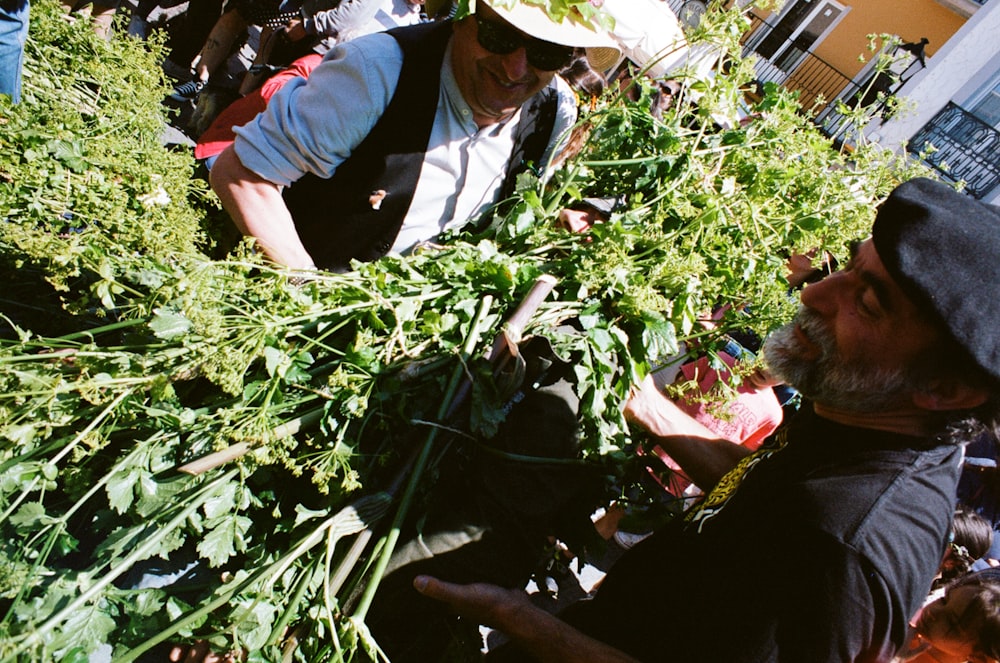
(574, 30)
(649, 33)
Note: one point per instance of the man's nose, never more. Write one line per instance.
(515, 65)
(824, 296)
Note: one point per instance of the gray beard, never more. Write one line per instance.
(830, 380)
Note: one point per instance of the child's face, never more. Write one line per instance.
(945, 626)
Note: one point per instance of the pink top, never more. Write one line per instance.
(219, 134)
(748, 420)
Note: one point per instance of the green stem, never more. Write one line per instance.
(69, 447)
(92, 425)
(300, 589)
(39, 635)
(272, 572)
(104, 329)
(392, 536)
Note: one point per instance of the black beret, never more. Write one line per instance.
(943, 249)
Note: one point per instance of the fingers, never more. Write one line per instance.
(436, 589)
(761, 379)
(643, 401)
(199, 652)
(576, 221)
(479, 602)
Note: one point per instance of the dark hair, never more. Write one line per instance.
(949, 360)
(971, 537)
(972, 531)
(582, 78)
(981, 619)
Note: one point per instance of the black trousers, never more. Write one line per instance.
(489, 520)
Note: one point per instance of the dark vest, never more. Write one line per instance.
(335, 217)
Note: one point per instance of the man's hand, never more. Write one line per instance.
(577, 221)
(489, 605)
(761, 379)
(200, 653)
(701, 453)
(547, 638)
(641, 400)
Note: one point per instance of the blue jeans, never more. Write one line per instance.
(13, 34)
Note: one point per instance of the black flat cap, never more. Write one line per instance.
(943, 249)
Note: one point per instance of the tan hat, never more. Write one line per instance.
(574, 30)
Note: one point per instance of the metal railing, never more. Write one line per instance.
(962, 148)
(676, 5)
(816, 80)
(820, 85)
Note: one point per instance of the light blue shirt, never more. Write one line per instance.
(314, 127)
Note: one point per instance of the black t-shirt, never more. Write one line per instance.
(823, 553)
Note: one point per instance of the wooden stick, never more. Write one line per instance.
(505, 344)
(514, 329)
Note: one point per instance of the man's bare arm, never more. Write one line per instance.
(703, 455)
(258, 210)
(546, 637)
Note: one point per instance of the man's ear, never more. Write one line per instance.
(949, 394)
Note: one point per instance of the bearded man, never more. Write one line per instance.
(821, 545)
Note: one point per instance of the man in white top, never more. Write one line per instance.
(398, 136)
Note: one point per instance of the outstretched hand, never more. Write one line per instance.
(486, 604)
(703, 455)
(546, 637)
(199, 652)
(647, 403)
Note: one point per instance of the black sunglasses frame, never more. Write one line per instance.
(500, 38)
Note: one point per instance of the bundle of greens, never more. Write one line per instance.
(162, 409)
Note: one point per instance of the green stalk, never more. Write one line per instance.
(92, 425)
(392, 537)
(39, 451)
(104, 329)
(20, 498)
(37, 636)
(271, 572)
(300, 589)
(60, 525)
(69, 447)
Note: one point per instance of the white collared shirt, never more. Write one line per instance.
(314, 127)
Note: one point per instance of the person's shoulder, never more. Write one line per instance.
(563, 89)
(374, 59)
(376, 44)
(856, 484)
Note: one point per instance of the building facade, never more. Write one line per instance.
(945, 63)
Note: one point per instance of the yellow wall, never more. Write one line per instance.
(910, 19)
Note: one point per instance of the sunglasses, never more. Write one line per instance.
(501, 39)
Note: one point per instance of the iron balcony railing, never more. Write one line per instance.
(962, 147)
(796, 68)
(820, 85)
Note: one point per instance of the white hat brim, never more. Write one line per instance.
(602, 51)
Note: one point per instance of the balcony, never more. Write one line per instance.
(816, 80)
(964, 149)
(818, 83)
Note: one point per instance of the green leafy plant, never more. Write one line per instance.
(162, 406)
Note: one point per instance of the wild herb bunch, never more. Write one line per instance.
(212, 417)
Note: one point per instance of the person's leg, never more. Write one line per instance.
(13, 34)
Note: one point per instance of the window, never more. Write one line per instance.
(987, 108)
(804, 24)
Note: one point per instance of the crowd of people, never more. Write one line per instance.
(814, 540)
